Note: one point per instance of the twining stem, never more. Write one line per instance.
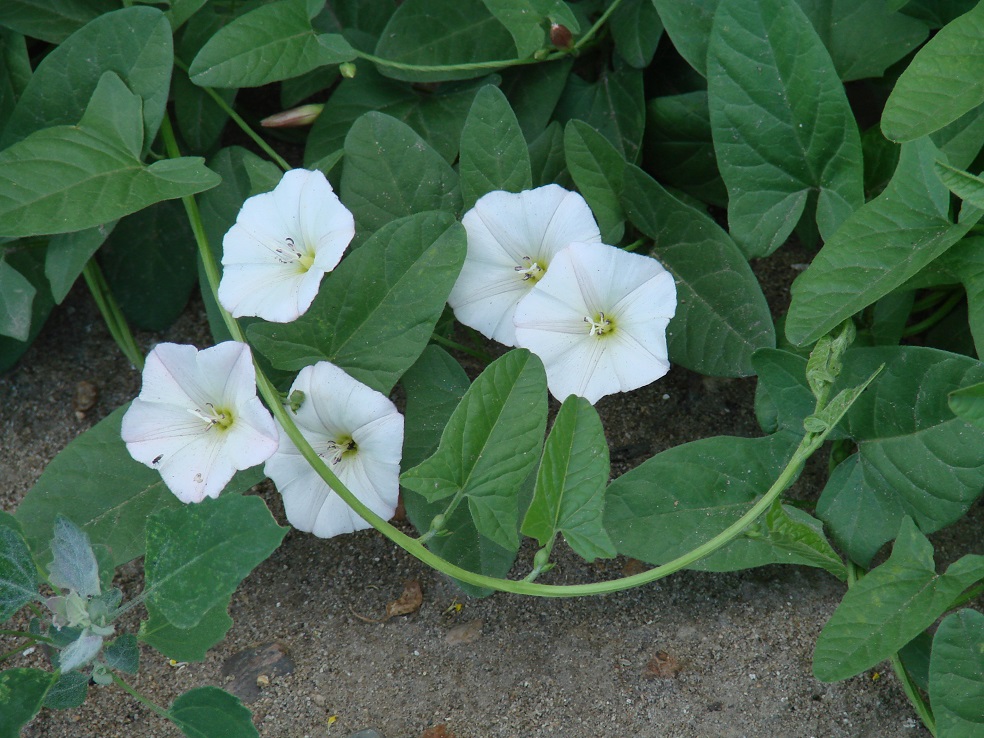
(941, 312)
(237, 119)
(854, 574)
(808, 445)
(140, 698)
(480, 355)
(111, 313)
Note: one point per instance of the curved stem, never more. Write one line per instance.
(112, 315)
(941, 312)
(597, 25)
(413, 546)
(139, 697)
(237, 119)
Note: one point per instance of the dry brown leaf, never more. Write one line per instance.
(633, 566)
(468, 632)
(438, 731)
(408, 602)
(662, 666)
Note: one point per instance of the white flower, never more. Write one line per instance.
(197, 419)
(598, 321)
(281, 246)
(512, 239)
(359, 434)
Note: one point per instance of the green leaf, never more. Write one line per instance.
(956, 675)
(968, 403)
(123, 654)
(636, 30)
(781, 123)
(30, 263)
(271, 43)
(68, 178)
(941, 83)
(613, 105)
(782, 396)
(569, 496)
(802, 539)
(391, 172)
(51, 20)
(547, 158)
(69, 691)
(18, 573)
(16, 297)
(881, 246)
(15, 71)
(437, 116)
(526, 19)
(913, 459)
(375, 313)
(490, 445)
(722, 317)
(149, 263)
(442, 32)
(67, 255)
(135, 43)
(679, 149)
(198, 554)
(74, 566)
(533, 92)
(962, 139)
(890, 606)
(197, 116)
(864, 37)
(22, 692)
(597, 168)
(209, 712)
(688, 24)
(962, 184)
(493, 150)
(435, 385)
(185, 644)
(683, 497)
(95, 483)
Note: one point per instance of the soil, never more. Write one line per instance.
(696, 654)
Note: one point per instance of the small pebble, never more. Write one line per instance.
(85, 398)
(468, 632)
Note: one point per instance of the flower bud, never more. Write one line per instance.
(561, 36)
(347, 70)
(305, 115)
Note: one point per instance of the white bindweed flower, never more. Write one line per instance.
(197, 419)
(512, 239)
(359, 434)
(598, 321)
(281, 246)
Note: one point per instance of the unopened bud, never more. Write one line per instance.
(561, 36)
(305, 115)
(347, 70)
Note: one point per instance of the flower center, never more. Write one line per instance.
(599, 325)
(213, 416)
(338, 448)
(532, 271)
(290, 254)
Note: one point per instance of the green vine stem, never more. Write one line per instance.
(237, 119)
(139, 697)
(808, 445)
(854, 574)
(941, 312)
(111, 313)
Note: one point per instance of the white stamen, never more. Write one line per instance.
(599, 327)
(532, 270)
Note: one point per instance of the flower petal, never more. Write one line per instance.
(635, 294)
(338, 409)
(506, 232)
(197, 419)
(282, 244)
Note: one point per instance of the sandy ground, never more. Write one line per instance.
(693, 655)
